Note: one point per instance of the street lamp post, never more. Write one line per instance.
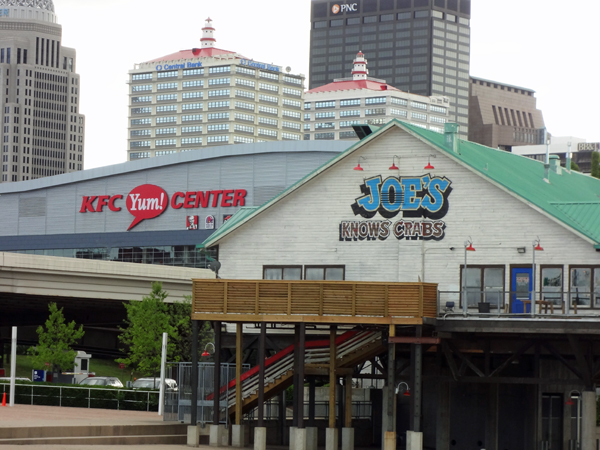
(468, 248)
(536, 248)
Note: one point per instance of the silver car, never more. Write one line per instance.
(154, 383)
(102, 381)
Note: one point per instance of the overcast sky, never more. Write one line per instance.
(549, 46)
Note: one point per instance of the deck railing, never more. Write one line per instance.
(313, 301)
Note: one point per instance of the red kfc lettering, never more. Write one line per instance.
(189, 199)
(111, 203)
(88, 204)
(177, 195)
(239, 196)
(102, 202)
(216, 195)
(226, 199)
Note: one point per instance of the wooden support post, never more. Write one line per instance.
(239, 342)
(194, 417)
(217, 373)
(261, 373)
(332, 364)
(348, 402)
(311, 401)
(301, 347)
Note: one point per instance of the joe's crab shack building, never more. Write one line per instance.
(475, 270)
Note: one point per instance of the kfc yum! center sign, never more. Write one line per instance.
(148, 201)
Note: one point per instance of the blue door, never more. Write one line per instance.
(521, 286)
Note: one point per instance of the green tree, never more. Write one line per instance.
(181, 320)
(596, 164)
(55, 342)
(574, 166)
(145, 323)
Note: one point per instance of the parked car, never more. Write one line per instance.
(102, 381)
(154, 383)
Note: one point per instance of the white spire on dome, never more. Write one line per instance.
(208, 40)
(360, 71)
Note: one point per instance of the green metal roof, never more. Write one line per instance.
(570, 198)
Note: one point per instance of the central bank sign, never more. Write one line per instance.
(403, 207)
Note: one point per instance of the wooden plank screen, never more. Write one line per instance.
(248, 300)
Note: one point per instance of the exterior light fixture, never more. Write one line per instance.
(468, 248)
(521, 249)
(358, 165)
(406, 393)
(429, 166)
(536, 248)
(394, 166)
(572, 395)
(205, 352)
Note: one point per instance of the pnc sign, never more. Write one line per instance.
(343, 8)
(148, 201)
(423, 197)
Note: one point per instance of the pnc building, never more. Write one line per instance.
(418, 46)
(43, 130)
(208, 96)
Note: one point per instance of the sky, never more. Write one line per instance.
(542, 45)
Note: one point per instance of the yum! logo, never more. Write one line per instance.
(148, 201)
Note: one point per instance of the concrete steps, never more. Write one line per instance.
(96, 435)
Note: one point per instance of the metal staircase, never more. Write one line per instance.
(352, 348)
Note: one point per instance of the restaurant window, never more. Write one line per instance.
(584, 284)
(552, 284)
(282, 272)
(336, 273)
(483, 284)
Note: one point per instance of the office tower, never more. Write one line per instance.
(42, 129)
(418, 46)
(208, 96)
(333, 109)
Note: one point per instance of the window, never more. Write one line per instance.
(269, 75)
(223, 104)
(350, 102)
(418, 116)
(294, 92)
(140, 133)
(267, 109)
(347, 135)
(219, 127)
(329, 104)
(160, 131)
(219, 93)
(219, 69)
(147, 110)
(191, 118)
(349, 123)
(146, 121)
(142, 88)
(398, 112)
(484, 284)
(244, 105)
(399, 101)
(337, 273)
(584, 284)
(292, 114)
(194, 140)
(267, 98)
(169, 74)
(195, 94)
(246, 117)
(292, 103)
(166, 108)
(168, 119)
(162, 86)
(265, 132)
(552, 284)
(293, 125)
(215, 81)
(141, 76)
(164, 142)
(322, 125)
(267, 121)
(242, 140)
(147, 98)
(194, 129)
(164, 152)
(374, 100)
(290, 136)
(268, 87)
(218, 116)
(350, 113)
(292, 80)
(243, 82)
(245, 71)
(193, 83)
(243, 128)
(137, 144)
(326, 115)
(282, 272)
(165, 97)
(211, 139)
(324, 136)
(188, 106)
(139, 155)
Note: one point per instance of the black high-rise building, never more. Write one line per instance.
(418, 46)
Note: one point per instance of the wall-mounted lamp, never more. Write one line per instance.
(394, 166)
(358, 165)
(572, 395)
(406, 392)
(205, 352)
(429, 166)
(521, 249)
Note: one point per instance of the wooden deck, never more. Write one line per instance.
(284, 301)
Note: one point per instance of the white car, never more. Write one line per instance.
(102, 381)
(154, 383)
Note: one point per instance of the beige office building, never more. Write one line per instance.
(42, 131)
(208, 96)
(333, 109)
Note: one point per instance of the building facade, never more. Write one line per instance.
(43, 131)
(208, 96)
(333, 109)
(151, 211)
(511, 252)
(418, 46)
(503, 116)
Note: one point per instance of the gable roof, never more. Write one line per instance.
(569, 198)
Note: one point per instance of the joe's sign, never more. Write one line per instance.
(148, 201)
(424, 197)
